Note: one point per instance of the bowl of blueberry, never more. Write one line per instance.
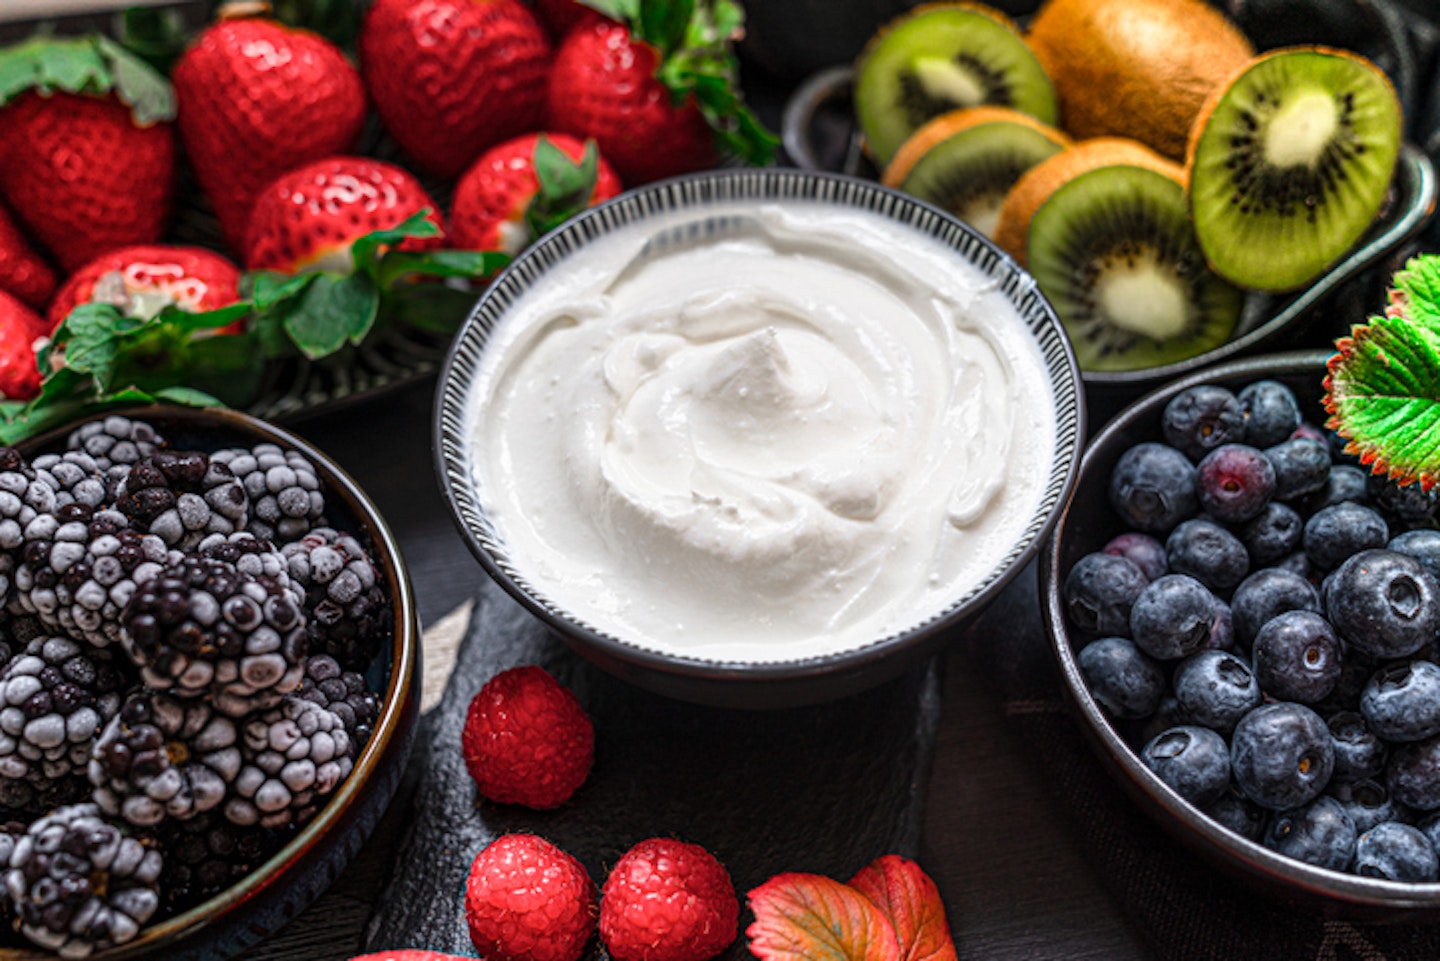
(208, 682)
(1247, 617)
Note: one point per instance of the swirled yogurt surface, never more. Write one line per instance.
(760, 432)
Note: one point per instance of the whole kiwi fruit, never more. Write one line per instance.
(1135, 68)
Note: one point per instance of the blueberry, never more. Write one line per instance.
(1430, 827)
(1297, 657)
(1346, 483)
(1122, 679)
(1215, 689)
(1268, 593)
(1207, 552)
(1334, 533)
(1099, 591)
(1237, 812)
(1153, 487)
(1399, 852)
(1166, 716)
(1234, 483)
(1311, 432)
(1192, 760)
(1297, 564)
(1383, 604)
(1200, 419)
(1413, 774)
(1222, 629)
(1402, 701)
(1355, 672)
(1359, 752)
(1173, 617)
(1274, 534)
(1271, 412)
(1302, 466)
(1406, 503)
(1281, 755)
(1423, 545)
(1367, 803)
(1319, 833)
(1142, 550)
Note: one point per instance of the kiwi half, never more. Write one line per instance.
(1113, 250)
(941, 57)
(967, 160)
(1289, 163)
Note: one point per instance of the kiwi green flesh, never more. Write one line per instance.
(969, 172)
(940, 60)
(1114, 252)
(1292, 167)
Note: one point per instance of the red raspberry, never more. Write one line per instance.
(666, 900)
(527, 900)
(527, 740)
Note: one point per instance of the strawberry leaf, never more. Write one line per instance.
(1419, 287)
(157, 35)
(808, 917)
(149, 95)
(664, 24)
(332, 311)
(93, 65)
(396, 265)
(188, 396)
(436, 308)
(907, 896)
(367, 250)
(625, 11)
(565, 186)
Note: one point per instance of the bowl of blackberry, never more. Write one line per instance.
(208, 674)
(1246, 617)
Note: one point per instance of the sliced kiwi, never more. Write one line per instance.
(965, 161)
(941, 57)
(1289, 163)
(1114, 251)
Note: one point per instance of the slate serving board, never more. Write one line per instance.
(822, 789)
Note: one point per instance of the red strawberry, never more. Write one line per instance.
(23, 273)
(666, 900)
(19, 326)
(82, 175)
(143, 280)
(562, 16)
(257, 99)
(308, 218)
(527, 740)
(527, 900)
(503, 203)
(452, 77)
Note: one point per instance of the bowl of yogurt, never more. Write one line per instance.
(758, 437)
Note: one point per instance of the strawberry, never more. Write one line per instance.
(562, 16)
(19, 326)
(143, 280)
(87, 155)
(257, 99)
(23, 272)
(521, 188)
(308, 218)
(657, 91)
(452, 77)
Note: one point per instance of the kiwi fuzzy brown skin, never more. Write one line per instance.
(955, 122)
(1135, 68)
(1038, 183)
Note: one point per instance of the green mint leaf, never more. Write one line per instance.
(1383, 395)
(565, 186)
(188, 396)
(665, 23)
(366, 250)
(1419, 286)
(625, 11)
(149, 95)
(468, 264)
(333, 311)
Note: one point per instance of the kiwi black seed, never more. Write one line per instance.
(965, 161)
(1114, 251)
(941, 57)
(1289, 164)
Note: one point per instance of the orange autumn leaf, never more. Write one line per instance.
(906, 895)
(809, 917)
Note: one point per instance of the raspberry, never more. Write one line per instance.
(527, 900)
(666, 900)
(527, 740)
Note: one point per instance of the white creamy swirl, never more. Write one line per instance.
(805, 432)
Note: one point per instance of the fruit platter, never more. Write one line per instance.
(565, 365)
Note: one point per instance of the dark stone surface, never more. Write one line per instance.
(823, 789)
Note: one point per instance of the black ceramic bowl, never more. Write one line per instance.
(277, 891)
(1086, 525)
(739, 683)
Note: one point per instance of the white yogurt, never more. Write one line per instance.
(803, 435)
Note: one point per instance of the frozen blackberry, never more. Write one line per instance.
(164, 757)
(79, 884)
(350, 613)
(345, 693)
(206, 854)
(80, 568)
(296, 754)
(253, 556)
(23, 497)
(286, 501)
(75, 478)
(54, 699)
(115, 443)
(182, 497)
(203, 626)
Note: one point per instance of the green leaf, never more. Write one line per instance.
(436, 308)
(565, 186)
(665, 23)
(268, 288)
(336, 20)
(1419, 286)
(157, 35)
(469, 264)
(92, 337)
(366, 250)
(149, 95)
(187, 396)
(333, 311)
(625, 11)
(92, 64)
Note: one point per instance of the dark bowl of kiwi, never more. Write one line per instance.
(1326, 825)
(1180, 202)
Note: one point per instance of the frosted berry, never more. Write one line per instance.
(666, 900)
(527, 900)
(527, 740)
